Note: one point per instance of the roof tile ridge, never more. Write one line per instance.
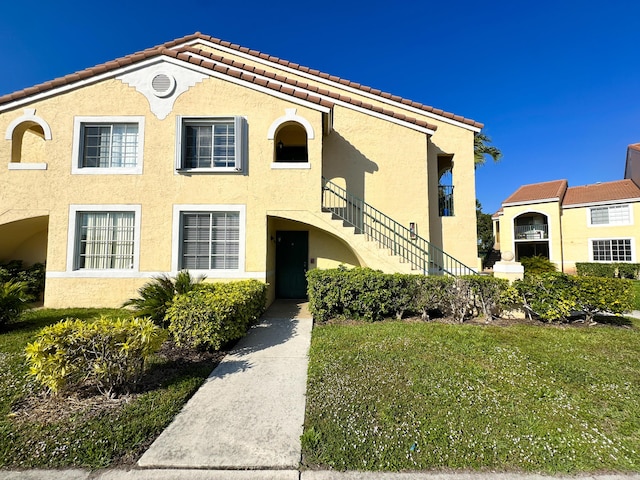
(301, 85)
(333, 78)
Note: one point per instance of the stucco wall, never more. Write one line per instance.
(387, 164)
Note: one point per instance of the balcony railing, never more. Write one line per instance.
(532, 232)
(390, 234)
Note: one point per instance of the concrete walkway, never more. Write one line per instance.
(249, 412)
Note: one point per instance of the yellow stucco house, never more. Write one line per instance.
(590, 223)
(203, 155)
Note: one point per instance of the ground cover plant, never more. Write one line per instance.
(426, 396)
(85, 429)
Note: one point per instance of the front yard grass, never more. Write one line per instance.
(636, 290)
(427, 396)
(90, 432)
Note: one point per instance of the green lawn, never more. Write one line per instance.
(426, 396)
(88, 437)
(636, 289)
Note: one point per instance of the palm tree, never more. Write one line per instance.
(481, 148)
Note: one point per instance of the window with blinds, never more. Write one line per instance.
(210, 240)
(610, 215)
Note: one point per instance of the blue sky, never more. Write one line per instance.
(556, 83)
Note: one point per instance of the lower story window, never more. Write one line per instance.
(612, 250)
(210, 240)
(105, 240)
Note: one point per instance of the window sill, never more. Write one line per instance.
(27, 166)
(290, 166)
(209, 170)
(107, 171)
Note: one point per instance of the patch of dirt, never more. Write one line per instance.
(87, 403)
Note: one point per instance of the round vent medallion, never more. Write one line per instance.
(163, 85)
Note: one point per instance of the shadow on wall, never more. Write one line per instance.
(343, 160)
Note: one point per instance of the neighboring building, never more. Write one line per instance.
(591, 223)
(203, 155)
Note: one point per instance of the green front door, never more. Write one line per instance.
(292, 251)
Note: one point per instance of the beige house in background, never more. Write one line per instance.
(590, 223)
(203, 155)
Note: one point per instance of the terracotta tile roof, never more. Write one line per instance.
(634, 146)
(602, 192)
(186, 53)
(165, 49)
(537, 192)
(326, 76)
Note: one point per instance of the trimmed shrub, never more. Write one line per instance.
(155, 297)
(537, 264)
(14, 299)
(628, 270)
(324, 291)
(547, 296)
(609, 270)
(214, 314)
(432, 295)
(605, 270)
(602, 295)
(108, 354)
(487, 293)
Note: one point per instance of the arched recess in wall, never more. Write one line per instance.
(290, 134)
(445, 186)
(28, 134)
(531, 235)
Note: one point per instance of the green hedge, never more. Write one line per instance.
(362, 293)
(371, 295)
(214, 314)
(608, 270)
(556, 296)
(108, 354)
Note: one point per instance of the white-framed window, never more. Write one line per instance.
(612, 250)
(610, 215)
(104, 238)
(211, 144)
(111, 145)
(209, 238)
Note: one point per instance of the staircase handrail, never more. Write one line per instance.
(402, 241)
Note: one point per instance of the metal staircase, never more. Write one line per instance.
(378, 227)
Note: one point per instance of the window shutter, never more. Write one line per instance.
(241, 142)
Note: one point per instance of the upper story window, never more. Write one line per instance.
(610, 215)
(445, 186)
(211, 144)
(108, 145)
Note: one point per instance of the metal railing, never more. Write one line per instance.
(445, 200)
(400, 240)
(532, 232)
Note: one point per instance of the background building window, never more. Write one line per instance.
(610, 215)
(612, 250)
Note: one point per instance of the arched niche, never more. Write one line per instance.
(27, 134)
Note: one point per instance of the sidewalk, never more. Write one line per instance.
(249, 413)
